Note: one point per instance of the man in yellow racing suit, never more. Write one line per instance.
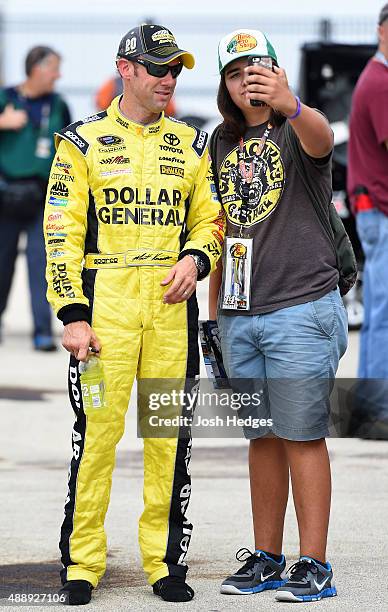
(131, 221)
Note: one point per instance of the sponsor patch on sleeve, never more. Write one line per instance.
(200, 141)
(95, 117)
(70, 133)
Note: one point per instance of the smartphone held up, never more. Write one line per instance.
(263, 60)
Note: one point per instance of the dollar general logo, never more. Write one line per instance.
(241, 42)
(172, 170)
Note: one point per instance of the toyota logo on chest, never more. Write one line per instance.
(171, 139)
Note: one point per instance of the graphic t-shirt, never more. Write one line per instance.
(293, 261)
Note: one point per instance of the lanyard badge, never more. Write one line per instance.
(237, 273)
(238, 251)
(43, 147)
(43, 143)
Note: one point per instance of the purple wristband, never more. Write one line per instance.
(298, 109)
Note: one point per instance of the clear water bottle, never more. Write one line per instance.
(92, 384)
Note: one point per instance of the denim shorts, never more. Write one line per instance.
(291, 357)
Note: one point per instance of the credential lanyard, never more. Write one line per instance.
(44, 115)
(44, 120)
(43, 144)
(247, 174)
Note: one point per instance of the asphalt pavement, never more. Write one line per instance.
(36, 422)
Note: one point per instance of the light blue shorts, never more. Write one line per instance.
(292, 356)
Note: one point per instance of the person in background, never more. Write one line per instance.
(283, 328)
(367, 180)
(30, 113)
(114, 87)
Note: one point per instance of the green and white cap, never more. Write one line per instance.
(241, 43)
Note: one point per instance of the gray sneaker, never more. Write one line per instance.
(258, 573)
(308, 581)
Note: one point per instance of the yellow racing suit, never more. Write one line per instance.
(125, 202)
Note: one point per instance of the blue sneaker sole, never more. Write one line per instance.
(289, 596)
(229, 589)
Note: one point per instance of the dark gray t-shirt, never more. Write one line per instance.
(293, 261)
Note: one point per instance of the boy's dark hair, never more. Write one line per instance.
(234, 124)
(37, 55)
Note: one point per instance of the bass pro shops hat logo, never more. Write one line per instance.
(241, 43)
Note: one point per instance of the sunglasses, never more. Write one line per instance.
(159, 70)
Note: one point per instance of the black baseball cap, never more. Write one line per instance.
(383, 16)
(154, 43)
